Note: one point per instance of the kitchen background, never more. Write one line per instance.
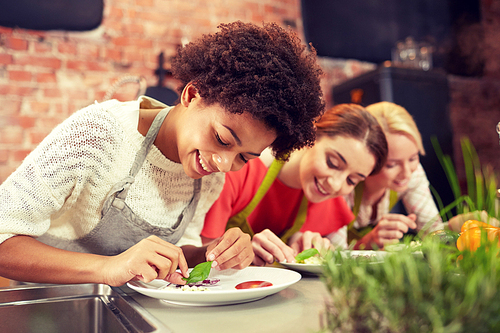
(47, 75)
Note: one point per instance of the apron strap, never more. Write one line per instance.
(358, 196)
(354, 233)
(148, 141)
(240, 220)
(393, 199)
(143, 152)
(300, 219)
(272, 173)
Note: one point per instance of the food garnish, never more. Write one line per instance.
(253, 284)
(198, 286)
(306, 254)
(199, 273)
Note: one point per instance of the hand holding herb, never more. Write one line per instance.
(199, 273)
(306, 254)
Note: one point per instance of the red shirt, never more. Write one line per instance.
(276, 211)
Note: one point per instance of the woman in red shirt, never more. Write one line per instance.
(291, 206)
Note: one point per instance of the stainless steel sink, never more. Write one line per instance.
(85, 308)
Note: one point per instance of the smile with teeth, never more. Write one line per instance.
(203, 165)
(320, 188)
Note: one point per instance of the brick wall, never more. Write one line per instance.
(46, 76)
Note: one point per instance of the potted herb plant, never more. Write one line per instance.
(442, 290)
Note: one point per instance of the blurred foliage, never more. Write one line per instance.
(440, 290)
(443, 290)
(481, 183)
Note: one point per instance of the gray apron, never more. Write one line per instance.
(119, 228)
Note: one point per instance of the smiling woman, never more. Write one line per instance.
(119, 190)
(289, 207)
(401, 178)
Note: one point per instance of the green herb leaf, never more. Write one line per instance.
(306, 254)
(199, 272)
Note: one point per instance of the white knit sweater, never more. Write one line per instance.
(61, 186)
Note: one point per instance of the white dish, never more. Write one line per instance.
(304, 268)
(317, 269)
(376, 256)
(224, 292)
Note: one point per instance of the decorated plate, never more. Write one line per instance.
(224, 292)
(314, 269)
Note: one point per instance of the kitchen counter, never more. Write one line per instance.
(294, 309)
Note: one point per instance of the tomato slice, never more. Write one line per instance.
(253, 284)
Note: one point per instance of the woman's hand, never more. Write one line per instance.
(306, 240)
(151, 258)
(267, 246)
(389, 230)
(232, 250)
(455, 223)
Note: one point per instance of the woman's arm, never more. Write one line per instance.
(389, 229)
(418, 200)
(23, 258)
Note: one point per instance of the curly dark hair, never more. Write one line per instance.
(265, 71)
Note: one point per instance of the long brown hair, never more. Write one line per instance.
(354, 121)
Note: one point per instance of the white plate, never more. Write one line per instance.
(304, 268)
(224, 292)
(375, 256)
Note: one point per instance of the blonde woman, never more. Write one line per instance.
(401, 179)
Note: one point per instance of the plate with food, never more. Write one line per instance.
(221, 287)
(370, 255)
(308, 261)
(311, 261)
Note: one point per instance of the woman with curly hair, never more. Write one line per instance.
(119, 190)
(293, 206)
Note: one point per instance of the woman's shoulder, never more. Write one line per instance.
(90, 134)
(96, 113)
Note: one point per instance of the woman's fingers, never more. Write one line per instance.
(151, 258)
(307, 240)
(239, 255)
(173, 255)
(258, 261)
(232, 250)
(269, 246)
(408, 221)
(175, 278)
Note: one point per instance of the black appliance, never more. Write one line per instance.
(367, 30)
(68, 15)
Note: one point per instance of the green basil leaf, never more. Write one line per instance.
(199, 272)
(306, 254)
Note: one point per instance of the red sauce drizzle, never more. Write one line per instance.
(253, 284)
